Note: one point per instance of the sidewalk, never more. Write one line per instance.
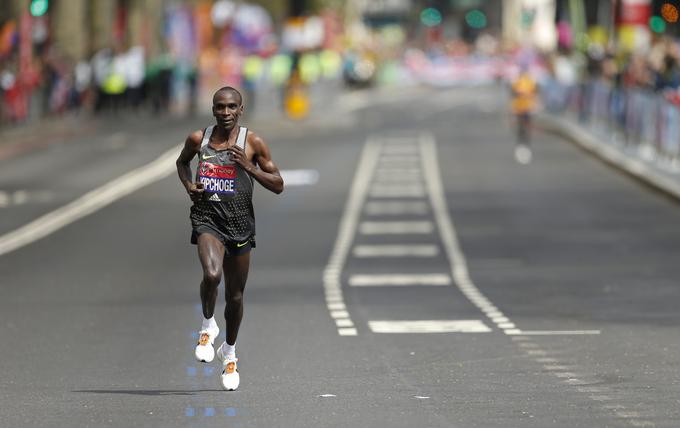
(637, 161)
(266, 117)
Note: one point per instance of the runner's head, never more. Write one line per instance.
(227, 107)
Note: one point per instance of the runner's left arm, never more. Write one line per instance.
(268, 173)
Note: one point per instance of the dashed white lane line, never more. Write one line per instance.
(343, 241)
(406, 250)
(449, 236)
(429, 326)
(91, 202)
(395, 227)
(378, 280)
(396, 208)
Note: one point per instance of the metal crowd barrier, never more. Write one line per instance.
(635, 118)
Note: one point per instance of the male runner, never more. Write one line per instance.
(524, 93)
(222, 217)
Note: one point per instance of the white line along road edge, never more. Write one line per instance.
(346, 231)
(461, 275)
(108, 193)
(91, 202)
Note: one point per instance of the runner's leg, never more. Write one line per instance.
(211, 254)
(235, 275)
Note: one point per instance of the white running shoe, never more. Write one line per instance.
(204, 348)
(523, 154)
(230, 376)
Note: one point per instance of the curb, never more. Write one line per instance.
(612, 155)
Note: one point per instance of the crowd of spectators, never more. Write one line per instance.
(656, 70)
(635, 95)
(111, 80)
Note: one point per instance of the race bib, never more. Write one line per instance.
(217, 178)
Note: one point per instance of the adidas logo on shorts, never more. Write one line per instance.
(215, 198)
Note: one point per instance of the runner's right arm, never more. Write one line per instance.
(191, 148)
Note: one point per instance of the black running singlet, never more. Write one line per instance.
(227, 206)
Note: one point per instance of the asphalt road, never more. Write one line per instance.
(540, 295)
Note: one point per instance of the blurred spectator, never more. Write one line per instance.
(133, 61)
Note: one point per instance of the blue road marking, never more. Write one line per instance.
(189, 412)
(230, 411)
(209, 411)
(191, 371)
(208, 371)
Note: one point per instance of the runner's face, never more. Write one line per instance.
(227, 109)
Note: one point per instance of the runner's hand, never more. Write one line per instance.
(238, 155)
(196, 191)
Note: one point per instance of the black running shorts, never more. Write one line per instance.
(231, 248)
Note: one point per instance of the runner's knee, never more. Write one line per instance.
(235, 298)
(212, 277)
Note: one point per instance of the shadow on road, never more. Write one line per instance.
(146, 391)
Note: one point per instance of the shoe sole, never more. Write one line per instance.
(203, 360)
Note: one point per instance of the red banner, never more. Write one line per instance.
(635, 12)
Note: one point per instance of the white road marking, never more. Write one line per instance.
(299, 177)
(396, 170)
(600, 397)
(558, 332)
(395, 227)
(338, 306)
(392, 191)
(411, 160)
(346, 232)
(347, 331)
(556, 367)
(448, 233)
(398, 182)
(327, 395)
(91, 202)
(613, 406)
(396, 208)
(339, 314)
(21, 197)
(399, 280)
(429, 326)
(455, 254)
(406, 250)
(400, 149)
(393, 174)
(591, 389)
(411, 165)
(344, 322)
